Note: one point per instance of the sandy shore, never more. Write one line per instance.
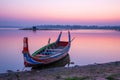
(107, 71)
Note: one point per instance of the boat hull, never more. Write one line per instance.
(60, 63)
(30, 61)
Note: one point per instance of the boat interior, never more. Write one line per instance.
(52, 49)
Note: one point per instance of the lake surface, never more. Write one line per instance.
(88, 47)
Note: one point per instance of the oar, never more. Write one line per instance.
(72, 39)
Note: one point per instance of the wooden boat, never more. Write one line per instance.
(48, 54)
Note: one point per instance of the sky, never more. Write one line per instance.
(79, 12)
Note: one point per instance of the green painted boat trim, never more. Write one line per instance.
(42, 49)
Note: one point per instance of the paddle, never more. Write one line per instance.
(72, 39)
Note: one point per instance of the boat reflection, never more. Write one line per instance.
(61, 63)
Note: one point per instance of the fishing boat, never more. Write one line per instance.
(48, 54)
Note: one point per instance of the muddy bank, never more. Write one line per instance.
(107, 71)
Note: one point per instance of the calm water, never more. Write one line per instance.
(89, 46)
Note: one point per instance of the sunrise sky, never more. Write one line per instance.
(36, 12)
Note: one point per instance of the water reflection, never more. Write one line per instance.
(61, 63)
(89, 46)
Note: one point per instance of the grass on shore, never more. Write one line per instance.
(77, 78)
(113, 77)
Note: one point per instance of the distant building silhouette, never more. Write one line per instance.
(34, 28)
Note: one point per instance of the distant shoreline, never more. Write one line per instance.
(117, 28)
(69, 27)
(49, 29)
